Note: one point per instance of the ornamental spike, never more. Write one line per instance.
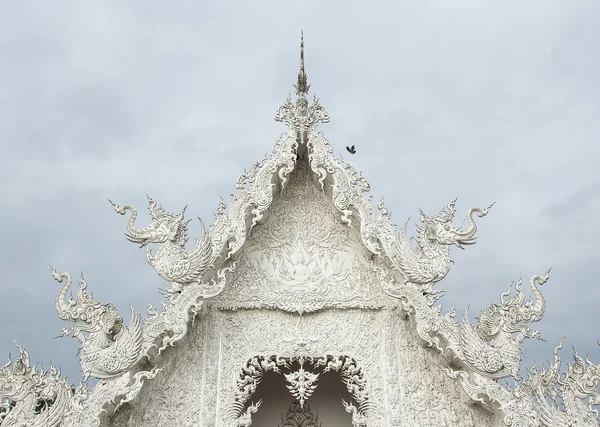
(302, 87)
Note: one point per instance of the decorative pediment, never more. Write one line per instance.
(302, 258)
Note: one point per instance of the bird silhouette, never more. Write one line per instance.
(351, 150)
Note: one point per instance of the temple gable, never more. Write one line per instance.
(303, 258)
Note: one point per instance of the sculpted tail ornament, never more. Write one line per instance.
(109, 349)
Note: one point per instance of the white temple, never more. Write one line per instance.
(301, 306)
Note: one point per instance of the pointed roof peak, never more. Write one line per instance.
(302, 86)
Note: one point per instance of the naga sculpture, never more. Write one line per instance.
(32, 397)
(429, 262)
(490, 347)
(109, 349)
(172, 261)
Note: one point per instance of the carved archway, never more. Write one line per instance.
(301, 374)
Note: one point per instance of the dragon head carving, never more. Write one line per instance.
(172, 261)
(439, 229)
(580, 382)
(165, 226)
(508, 316)
(109, 349)
(429, 262)
(490, 346)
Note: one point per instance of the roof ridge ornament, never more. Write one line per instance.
(301, 117)
(302, 87)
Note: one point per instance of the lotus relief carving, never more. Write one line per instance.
(300, 268)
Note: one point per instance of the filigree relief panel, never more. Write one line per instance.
(389, 366)
(302, 258)
(174, 396)
(426, 395)
(404, 379)
(251, 333)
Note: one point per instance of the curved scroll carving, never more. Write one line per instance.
(359, 419)
(247, 381)
(32, 397)
(109, 349)
(245, 420)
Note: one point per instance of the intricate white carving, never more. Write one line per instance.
(31, 397)
(301, 259)
(552, 398)
(301, 117)
(358, 419)
(355, 379)
(302, 384)
(109, 348)
(172, 261)
(245, 420)
(490, 347)
(429, 261)
(247, 381)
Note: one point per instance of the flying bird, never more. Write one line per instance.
(351, 150)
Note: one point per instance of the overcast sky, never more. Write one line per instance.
(118, 99)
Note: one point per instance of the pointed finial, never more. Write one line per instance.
(302, 86)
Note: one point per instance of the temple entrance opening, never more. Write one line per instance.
(323, 408)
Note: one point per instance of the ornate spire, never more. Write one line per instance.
(302, 87)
